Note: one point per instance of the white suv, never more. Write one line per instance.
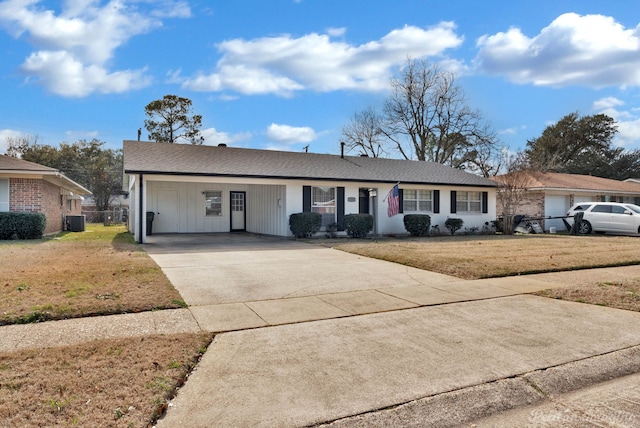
(612, 217)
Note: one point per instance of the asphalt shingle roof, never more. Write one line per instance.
(187, 159)
(15, 164)
(555, 180)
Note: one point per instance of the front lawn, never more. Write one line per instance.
(97, 272)
(103, 383)
(487, 256)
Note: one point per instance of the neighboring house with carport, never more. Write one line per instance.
(205, 189)
(30, 187)
(551, 194)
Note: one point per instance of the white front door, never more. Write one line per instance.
(238, 211)
(166, 216)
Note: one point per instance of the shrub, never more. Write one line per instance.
(453, 224)
(417, 224)
(358, 225)
(332, 230)
(22, 225)
(305, 225)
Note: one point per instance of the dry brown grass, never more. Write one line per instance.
(621, 295)
(474, 257)
(105, 383)
(486, 256)
(98, 272)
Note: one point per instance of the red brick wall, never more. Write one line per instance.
(39, 196)
(531, 205)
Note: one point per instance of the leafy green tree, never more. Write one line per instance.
(613, 162)
(85, 162)
(571, 141)
(170, 120)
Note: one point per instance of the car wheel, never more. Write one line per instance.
(584, 228)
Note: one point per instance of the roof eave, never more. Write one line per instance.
(316, 178)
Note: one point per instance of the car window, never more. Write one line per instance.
(601, 209)
(581, 207)
(617, 209)
(634, 208)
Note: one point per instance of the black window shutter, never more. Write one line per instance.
(306, 199)
(436, 201)
(453, 201)
(400, 200)
(485, 202)
(340, 208)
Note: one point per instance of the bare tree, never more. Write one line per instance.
(427, 117)
(364, 133)
(512, 187)
(16, 146)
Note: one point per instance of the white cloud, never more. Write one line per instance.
(64, 75)
(336, 32)
(75, 135)
(290, 134)
(284, 64)
(212, 137)
(509, 131)
(628, 121)
(591, 50)
(607, 103)
(7, 134)
(82, 38)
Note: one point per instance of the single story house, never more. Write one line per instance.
(205, 189)
(30, 187)
(551, 194)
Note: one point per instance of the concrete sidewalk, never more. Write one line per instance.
(312, 373)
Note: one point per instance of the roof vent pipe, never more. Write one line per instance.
(342, 149)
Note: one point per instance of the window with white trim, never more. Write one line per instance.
(4, 194)
(417, 200)
(213, 203)
(469, 202)
(323, 201)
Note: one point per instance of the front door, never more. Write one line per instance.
(238, 213)
(166, 216)
(363, 200)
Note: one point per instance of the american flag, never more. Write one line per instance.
(393, 199)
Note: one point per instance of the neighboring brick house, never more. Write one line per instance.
(551, 194)
(30, 187)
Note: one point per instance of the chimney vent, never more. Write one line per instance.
(342, 149)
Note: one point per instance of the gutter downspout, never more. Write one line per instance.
(141, 215)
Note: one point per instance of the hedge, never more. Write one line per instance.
(305, 225)
(417, 224)
(22, 225)
(358, 225)
(453, 224)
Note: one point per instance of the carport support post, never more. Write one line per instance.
(141, 215)
(373, 209)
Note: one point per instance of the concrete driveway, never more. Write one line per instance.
(407, 360)
(239, 281)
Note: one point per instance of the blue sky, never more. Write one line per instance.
(284, 74)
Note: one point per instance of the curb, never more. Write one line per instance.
(481, 401)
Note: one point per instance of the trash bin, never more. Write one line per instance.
(150, 215)
(577, 221)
